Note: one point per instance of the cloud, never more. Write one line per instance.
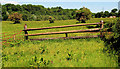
(11, 2)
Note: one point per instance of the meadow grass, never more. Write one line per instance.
(59, 53)
(56, 53)
(10, 28)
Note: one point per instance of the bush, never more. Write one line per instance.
(51, 19)
(83, 14)
(15, 17)
(113, 40)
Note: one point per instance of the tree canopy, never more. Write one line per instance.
(15, 17)
(38, 12)
(83, 14)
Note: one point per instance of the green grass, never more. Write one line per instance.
(83, 53)
(56, 53)
(10, 28)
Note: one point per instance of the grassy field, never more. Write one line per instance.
(10, 28)
(56, 53)
(59, 53)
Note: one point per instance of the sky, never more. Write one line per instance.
(93, 5)
(61, 0)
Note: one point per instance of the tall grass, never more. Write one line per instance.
(59, 53)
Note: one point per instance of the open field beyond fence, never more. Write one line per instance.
(54, 53)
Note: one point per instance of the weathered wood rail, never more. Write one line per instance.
(95, 30)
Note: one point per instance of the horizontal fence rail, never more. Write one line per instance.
(63, 32)
(95, 30)
(77, 37)
(61, 26)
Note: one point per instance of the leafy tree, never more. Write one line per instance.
(119, 13)
(51, 19)
(25, 17)
(99, 14)
(102, 14)
(15, 17)
(114, 10)
(32, 17)
(4, 17)
(93, 15)
(83, 14)
(106, 14)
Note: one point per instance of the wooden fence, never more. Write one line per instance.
(7, 38)
(95, 30)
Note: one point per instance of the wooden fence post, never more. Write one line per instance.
(14, 37)
(101, 27)
(66, 34)
(4, 36)
(26, 33)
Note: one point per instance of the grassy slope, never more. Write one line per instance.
(84, 52)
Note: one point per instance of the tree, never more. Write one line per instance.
(106, 14)
(119, 13)
(25, 17)
(15, 17)
(51, 19)
(83, 14)
(114, 10)
(102, 14)
(93, 15)
(99, 14)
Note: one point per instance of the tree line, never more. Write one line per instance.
(38, 12)
(114, 12)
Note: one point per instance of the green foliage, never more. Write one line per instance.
(107, 14)
(25, 17)
(119, 13)
(39, 62)
(112, 40)
(114, 10)
(83, 14)
(15, 17)
(37, 12)
(51, 19)
(116, 27)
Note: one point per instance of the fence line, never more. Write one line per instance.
(9, 38)
(64, 32)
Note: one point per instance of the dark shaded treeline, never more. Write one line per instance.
(38, 12)
(114, 12)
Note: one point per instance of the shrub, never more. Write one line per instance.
(15, 17)
(51, 19)
(113, 40)
(83, 14)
